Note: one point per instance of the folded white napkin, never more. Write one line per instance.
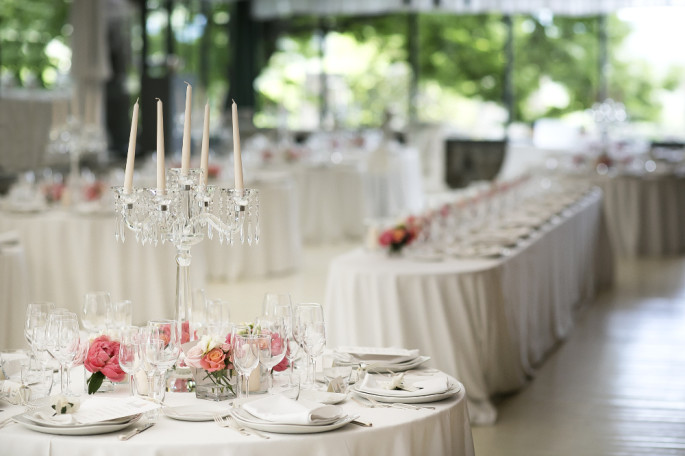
(51, 419)
(420, 385)
(283, 410)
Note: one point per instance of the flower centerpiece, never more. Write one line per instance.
(102, 361)
(399, 236)
(211, 363)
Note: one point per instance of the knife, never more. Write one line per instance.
(137, 430)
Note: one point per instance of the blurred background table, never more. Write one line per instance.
(70, 253)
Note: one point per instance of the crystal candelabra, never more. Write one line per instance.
(188, 211)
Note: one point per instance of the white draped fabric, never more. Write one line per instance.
(14, 282)
(69, 254)
(26, 118)
(645, 215)
(487, 322)
(395, 432)
(279, 250)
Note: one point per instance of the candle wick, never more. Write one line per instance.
(137, 100)
(157, 99)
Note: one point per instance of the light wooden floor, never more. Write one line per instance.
(615, 387)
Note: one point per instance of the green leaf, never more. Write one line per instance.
(94, 382)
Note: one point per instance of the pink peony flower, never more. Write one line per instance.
(214, 360)
(385, 238)
(103, 356)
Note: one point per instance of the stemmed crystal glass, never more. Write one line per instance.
(162, 346)
(275, 330)
(131, 353)
(246, 356)
(96, 309)
(311, 332)
(34, 325)
(63, 344)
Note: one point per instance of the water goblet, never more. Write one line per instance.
(309, 328)
(275, 330)
(246, 355)
(274, 301)
(162, 348)
(120, 314)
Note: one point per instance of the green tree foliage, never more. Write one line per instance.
(26, 28)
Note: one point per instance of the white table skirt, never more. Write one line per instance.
(279, 250)
(395, 432)
(645, 216)
(13, 290)
(69, 254)
(487, 322)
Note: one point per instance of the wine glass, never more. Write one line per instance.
(275, 330)
(131, 353)
(274, 301)
(120, 314)
(63, 343)
(96, 309)
(162, 347)
(218, 315)
(38, 307)
(312, 335)
(246, 354)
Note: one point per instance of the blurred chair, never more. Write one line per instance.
(467, 160)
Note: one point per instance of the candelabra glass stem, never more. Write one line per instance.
(183, 288)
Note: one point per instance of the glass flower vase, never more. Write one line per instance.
(214, 386)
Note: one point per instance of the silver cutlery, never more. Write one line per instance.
(229, 422)
(136, 431)
(361, 423)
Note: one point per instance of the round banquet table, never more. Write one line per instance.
(395, 432)
(13, 289)
(70, 253)
(488, 322)
(279, 250)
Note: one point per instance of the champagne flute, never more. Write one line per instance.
(130, 353)
(274, 329)
(312, 335)
(63, 343)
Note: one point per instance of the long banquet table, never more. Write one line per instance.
(397, 432)
(488, 322)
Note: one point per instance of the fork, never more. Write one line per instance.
(400, 405)
(229, 422)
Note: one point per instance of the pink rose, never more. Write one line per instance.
(103, 356)
(214, 360)
(283, 365)
(194, 357)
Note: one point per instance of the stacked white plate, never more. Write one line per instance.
(379, 359)
(283, 415)
(420, 388)
(41, 420)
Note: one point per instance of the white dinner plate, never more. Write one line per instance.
(381, 367)
(79, 429)
(196, 412)
(456, 387)
(248, 420)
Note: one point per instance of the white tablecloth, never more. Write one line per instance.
(645, 215)
(487, 322)
(395, 432)
(279, 250)
(13, 290)
(69, 254)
